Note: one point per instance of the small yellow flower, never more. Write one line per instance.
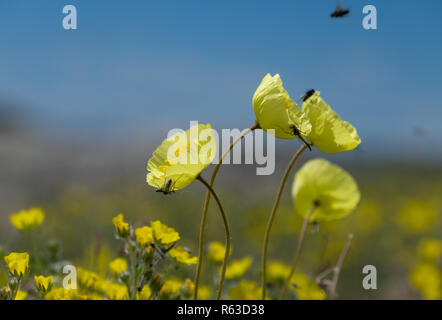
(27, 220)
(237, 268)
(144, 235)
(61, 294)
(274, 109)
(204, 293)
(418, 216)
(145, 293)
(179, 160)
(170, 286)
(43, 284)
(430, 249)
(86, 278)
(18, 264)
(182, 256)
(246, 290)
(117, 266)
(188, 288)
(277, 272)
(217, 250)
(21, 295)
(310, 292)
(115, 291)
(427, 278)
(163, 234)
(328, 188)
(121, 226)
(329, 133)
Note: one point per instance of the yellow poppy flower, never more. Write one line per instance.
(115, 291)
(329, 133)
(163, 234)
(430, 249)
(43, 284)
(86, 278)
(18, 264)
(61, 294)
(144, 294)
(277, 272)
(144, 235)
(179, 160)
(216, 252)
(21, 295)
(121, 226)
(310, 292)
(27, 220)
(182, 256)
(274, 109)
(418, 216)
(117, 266)
(170, 286)
(246, 290)
(237, 268)
(331, 190)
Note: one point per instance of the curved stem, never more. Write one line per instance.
(298, 252)
(272, 216)
(227, 230)
(337, 269)
(206, 208)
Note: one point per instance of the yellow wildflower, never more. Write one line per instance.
(43, 284)
(115, 291)
(328, 188)
(237, 268)
(329, 133)
(144, 235)
(27, 220)
(163, 234)
(182, 256)
(121, 226)
(21, 295)
(274, 109)
(145, 293)
(18, 264)
(418, 216)
(427, 279)
(217, 250)
(61, 294)
(170, 286)
(86, 278)
(179, 160)
(117, 266)
(430, 249)
(277, 272)
(246, 290)
(204, 292)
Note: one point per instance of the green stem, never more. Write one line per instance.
(206, 208)
(272, 217)
(298, 252)
(15, 291)
(133, 265)
(227, 230)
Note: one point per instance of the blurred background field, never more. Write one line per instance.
(81, 113)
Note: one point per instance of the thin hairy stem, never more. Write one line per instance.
(206, 208)
(298, 252)
(273, 214)
(227, 230)
(337, 269)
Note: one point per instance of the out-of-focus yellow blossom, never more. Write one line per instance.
(170, 286)
(274, 109)
(145, 293)
(117, 266)
(27, 220)
(369, 217)
(216, 252)
(417, 216)
(277, 272)
(181, 158)
(163, 234)
(86, 278)
(144, 235)
(329, 133)
(307, 289)
(43, 284)
(18, 263)
(182, 256)
(430, 249)
(245, 290)
(426, 278)
(237, 268)
(121, 226)
(328, 188)
(204, 292)
(115, 291)
(21, 295)
(62, 294)
(188, 288)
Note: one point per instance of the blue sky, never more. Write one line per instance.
(143, 67)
